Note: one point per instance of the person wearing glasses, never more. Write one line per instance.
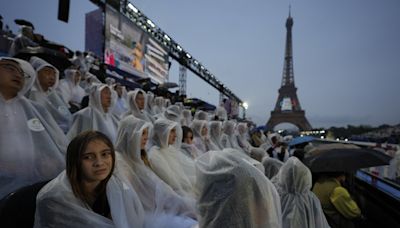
(32, 146)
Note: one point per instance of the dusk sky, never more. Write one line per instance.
(346, 53)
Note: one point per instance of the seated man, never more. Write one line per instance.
(32, 146)
(340, 209)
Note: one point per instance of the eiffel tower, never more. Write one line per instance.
(287, 107)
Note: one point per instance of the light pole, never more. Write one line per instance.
(245, 107)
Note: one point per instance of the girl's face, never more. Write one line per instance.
(140, 101)
(96, 162)
(143, 140)
(189, 138)
(172, 137)
(204, 131)
(105, 96)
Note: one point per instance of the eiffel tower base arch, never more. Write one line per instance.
(297, 118)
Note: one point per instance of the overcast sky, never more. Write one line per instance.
(346, 52)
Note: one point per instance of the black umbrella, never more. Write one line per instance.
(346, 160)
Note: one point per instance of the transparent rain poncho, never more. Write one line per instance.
(150, 103)
(228, 138)
(171, 165)
(199, 140)
(201, 115)
(156, 196)
(300, 206)
(215, 130)
(94, 117)
(69, 90)
(233, 193)
(134, 109)
(32, 146)
(51, 99)
(221, 113)
(57, 206)
(121, 104)
(187, 117)
(271, 166)
(159, 105)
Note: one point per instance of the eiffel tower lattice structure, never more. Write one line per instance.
(287, 107)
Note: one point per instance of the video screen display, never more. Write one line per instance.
(130, 49)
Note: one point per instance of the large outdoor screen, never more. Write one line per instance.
(130, 49)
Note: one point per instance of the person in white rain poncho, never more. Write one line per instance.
(200, 133)
(243, 142)
(201, 115)
(228, 139)
(43, 92)
(215, 136)
(271, 166)
(87, 194)
(150, 104)
(221, 114)
(32, 146)
(87, 82)
(187, 117)
(233, 193)
(168, 162)
(121, 104)
(300, 206)
(159, 105)
(132, 164)
(137, 103)
(70, 89)
(187, 146)
(173, 113)
(97, 116)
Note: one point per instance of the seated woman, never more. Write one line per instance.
(300, 207)
(187, 146)
(32, 146)
(200, 133)
(233, 193)
(87, 194)
(44, 93)
(70, 89)
(132, 164)
(215, 135)
(168, 162)
(97, 116)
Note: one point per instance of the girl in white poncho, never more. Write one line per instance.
(44, 93)
(97, 116)
(233, 193)
(157, 197)
(215, 135)
(300, 207)
(168, 162)
(87, 194)
(32, 146)
(200, 134)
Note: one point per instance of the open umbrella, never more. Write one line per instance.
(345, 159)
(300, 140)
(168, 85)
